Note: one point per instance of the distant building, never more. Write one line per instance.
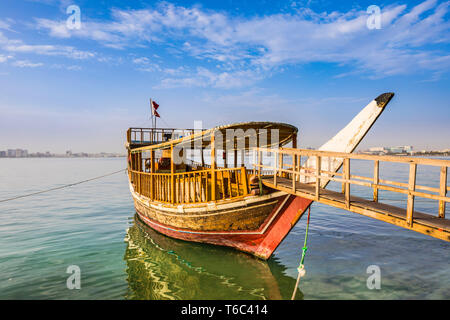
(378, 149)
(401, 149)
(390, 150)
(19, 153)
(408, 148)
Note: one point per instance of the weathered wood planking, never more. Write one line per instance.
(240, 217)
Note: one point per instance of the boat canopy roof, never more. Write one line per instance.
(238, 136)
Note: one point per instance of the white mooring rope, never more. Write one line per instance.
(61, 187)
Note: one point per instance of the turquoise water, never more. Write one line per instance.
(92, 226)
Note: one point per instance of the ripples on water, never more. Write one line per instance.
(92, 225)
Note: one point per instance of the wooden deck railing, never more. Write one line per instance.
(318, 176)
(147, 136)
(191, 187)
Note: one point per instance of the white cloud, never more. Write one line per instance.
(50, 50)
(203, 77)
(26, 64)
(145, 64)
(4, 58)
(67, 67)
(18, 46)
(141, 60)
(403, 45)
(5, 24)
(175, 71)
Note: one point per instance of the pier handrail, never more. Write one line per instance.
(399, 159)
(320, 177)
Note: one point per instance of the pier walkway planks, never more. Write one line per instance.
(422, 222)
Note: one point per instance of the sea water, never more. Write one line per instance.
(92, 226)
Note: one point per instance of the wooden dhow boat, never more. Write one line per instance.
(198, 196)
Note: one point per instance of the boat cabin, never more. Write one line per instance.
(186, 166)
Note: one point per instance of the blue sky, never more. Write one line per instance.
(313, 64)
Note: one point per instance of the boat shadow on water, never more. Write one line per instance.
(161, 268)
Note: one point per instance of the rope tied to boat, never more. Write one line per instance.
(63, 186)
(301, 267)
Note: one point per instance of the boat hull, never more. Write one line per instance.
(281, 212)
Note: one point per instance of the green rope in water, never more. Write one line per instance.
(301, 269)
(305, 248)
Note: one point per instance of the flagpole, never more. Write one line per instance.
(153, 116)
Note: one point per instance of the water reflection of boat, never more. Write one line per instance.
(162, 268)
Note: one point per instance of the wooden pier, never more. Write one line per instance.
(309, 182)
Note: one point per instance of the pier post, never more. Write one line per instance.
(318, 170)
(442, 191)
(411, 187)
(281, 163)
(346, 172)
(277, 163)
(294, 161)
(376, 178)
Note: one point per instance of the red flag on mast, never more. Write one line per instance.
(155, 106)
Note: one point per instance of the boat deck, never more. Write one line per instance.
(423, 223)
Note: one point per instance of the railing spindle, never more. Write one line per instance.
(244, 180)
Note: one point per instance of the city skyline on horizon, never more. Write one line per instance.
(61, 153)
(78, 75)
